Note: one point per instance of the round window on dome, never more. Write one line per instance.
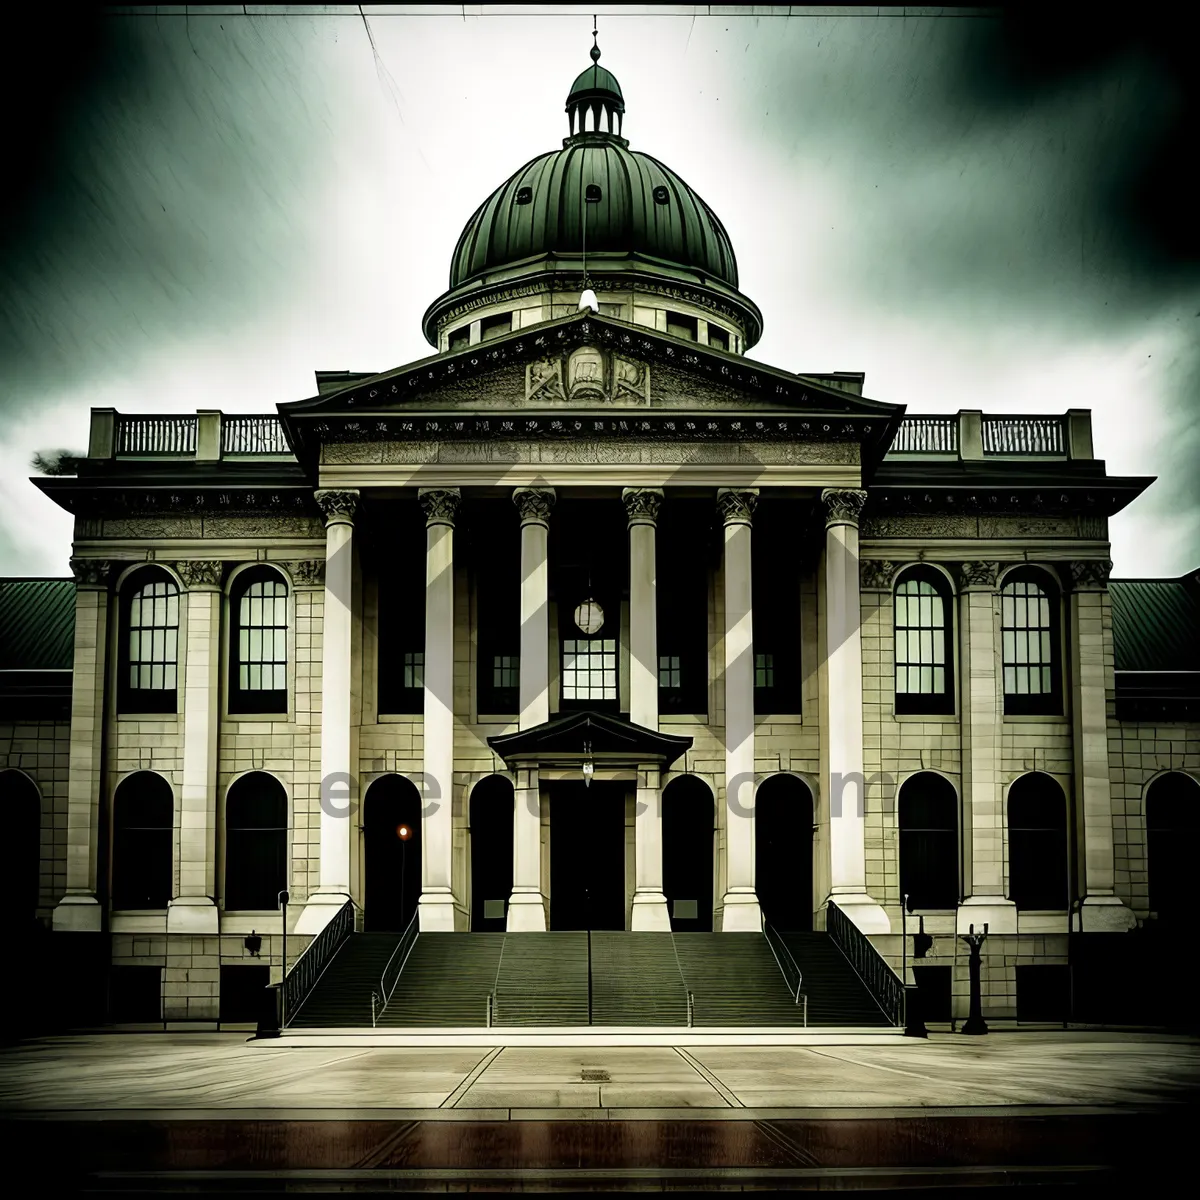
(524, 195)
(661, 195)
(592, 193)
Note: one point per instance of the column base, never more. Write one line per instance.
(435, 912)
(650, 913)
(868, 917)
(526, 913)
(996, 912)
(1103, 914)
(741, 913)
(77, 914)
(193, 914)
(320, 909)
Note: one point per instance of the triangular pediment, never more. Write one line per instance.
(603, 737)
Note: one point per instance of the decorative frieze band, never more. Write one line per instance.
(977, 575)
(200, 572)
(737, 505)
(534, 505)
(439, 504)
(843, 506)
(876, 575)
(338, 505)
(1090, 574)
(91, 572)
(642, 504)
(306, 572)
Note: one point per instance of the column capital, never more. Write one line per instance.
(534, 504)
(306, 572)
(977, 575)
(876, 575)
(338, 505)
(642, 504)
(91, 572)
(737, 505)
(440, 505)
(1090, 574)
(200, 574)
(843, 506)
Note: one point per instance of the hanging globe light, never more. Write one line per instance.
(589, 617)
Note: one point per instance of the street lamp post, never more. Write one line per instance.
(283, 899)
(975, 1022)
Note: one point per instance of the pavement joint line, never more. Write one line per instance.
(471, 1076)
(875, 1066)
(709, 1078)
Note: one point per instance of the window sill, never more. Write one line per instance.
(1045, 719)
(398, 718)
(951, 717)
(683, 718)
(778, 719)
(151, 716)
(258, 717)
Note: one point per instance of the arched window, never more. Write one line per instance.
(1172, 824)
(1030, 652)
(928, 820)
(143, 842)
(255, 843)
(258, 642)
(1037, 843)
(149, 643)
(924, 645)
(22, 808)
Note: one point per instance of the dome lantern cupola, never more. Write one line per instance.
(595, 103)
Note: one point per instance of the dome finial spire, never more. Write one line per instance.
(595, 50)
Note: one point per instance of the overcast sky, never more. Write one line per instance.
(976, 214)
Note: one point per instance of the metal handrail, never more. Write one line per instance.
(491, 1009)
(786, 963)
(402, 951)
(886, 987)
(316, 956)
(691, 1009)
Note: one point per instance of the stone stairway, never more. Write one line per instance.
(542, 979)
(735, 980)
(836, 995)
(445, 981)
(636, 980)
(342, 996)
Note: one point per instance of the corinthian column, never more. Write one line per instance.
(979, 700)
(1091, 659)
(843, 662)
(337, 765)
(193, 908)
(79, 908)
(649, 903)
(527, 905)
(741, 912)
(436, 908)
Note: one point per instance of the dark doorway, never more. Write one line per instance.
(491, 853)
(935, 997)
(1172, 822)
(687, 841)
(23, 809)
(393, 861)
(135, 994)
(243, 988)
(783, 851)
(587, 856)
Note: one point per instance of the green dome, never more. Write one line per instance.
(644, 209)
(595, 79)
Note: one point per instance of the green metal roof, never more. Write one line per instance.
(1156, 623)
(37, 624)
(594, 79)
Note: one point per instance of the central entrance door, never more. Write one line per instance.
(392, 836)
(587, 856)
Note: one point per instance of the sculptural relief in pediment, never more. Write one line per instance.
(588, 375)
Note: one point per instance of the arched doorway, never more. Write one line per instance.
(783, 851)
(392, 836)
(1038, 865)
(256, 817)
(1172, 823)
(928, 820)
(687, 849)
(491, 853)
(22, 807)
(143, 842)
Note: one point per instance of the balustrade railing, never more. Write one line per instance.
(869, 965)
(1023, 435)
(392, 969)
(253, 435)
(787, 965)
(927, 435)
(156, 435)
(310, 966)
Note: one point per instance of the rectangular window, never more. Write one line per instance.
(401, 628)
(460, 339)
(764, 670)
(494, 327)
(718, 337)
(668, 671)
(681, 327)
(414, 669)
(506, 669)
(589, 669)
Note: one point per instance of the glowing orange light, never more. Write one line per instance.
(403, 832)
